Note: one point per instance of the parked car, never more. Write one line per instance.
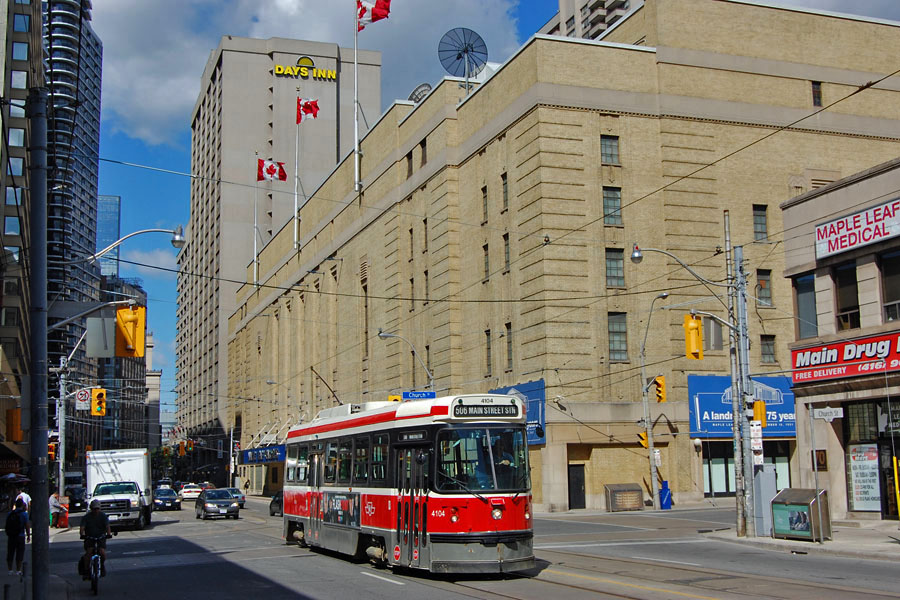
(206, 485)
(276, 506)
(216, 503)
(166, 499)
(77, 498)
(190, 491)
(238, 495)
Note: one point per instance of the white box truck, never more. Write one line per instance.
(120, 480)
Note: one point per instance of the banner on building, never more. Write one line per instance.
(710, 406)
(533, 395)
(864, 356)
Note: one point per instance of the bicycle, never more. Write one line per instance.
(95, 564)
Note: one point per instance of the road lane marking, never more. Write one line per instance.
(382, 578)
(623, 543)
(630, 585)
(599, 524)
(674, 562)
(139, 552)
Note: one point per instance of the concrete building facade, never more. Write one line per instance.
(493, 234)
(842, 258)
(246, 111)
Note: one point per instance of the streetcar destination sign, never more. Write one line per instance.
(485, 410)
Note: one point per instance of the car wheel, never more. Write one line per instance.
(271, 512)
(141, 522)
(196, 514)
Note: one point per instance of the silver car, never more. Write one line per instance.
(238, 495)
(216, 503)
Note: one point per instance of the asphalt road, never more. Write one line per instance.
(621, 555)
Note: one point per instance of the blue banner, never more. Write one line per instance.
(710, 405)
(533, 395)
(267, 454)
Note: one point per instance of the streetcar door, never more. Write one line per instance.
(412, 474)
(314, 501)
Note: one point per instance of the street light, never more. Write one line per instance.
(740, 375)
(178, 242)
(384, 336)
(648, 424)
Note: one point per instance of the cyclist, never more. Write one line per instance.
(95, 524)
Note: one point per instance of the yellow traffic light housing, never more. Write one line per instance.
(660, 381)
(51, 451)
(759, 412)
(98, 402)
(642, 439)
(693, 337)
(190, 445)
(131, 325)
(180, 448)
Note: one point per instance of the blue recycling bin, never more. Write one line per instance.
(665, 496)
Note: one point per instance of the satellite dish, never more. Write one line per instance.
(420, 92)
(462, 52)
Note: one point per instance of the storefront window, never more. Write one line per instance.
(847, 296)
(863, 477)
(805, 293)
(890, 285)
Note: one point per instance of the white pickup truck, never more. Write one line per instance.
(120, 480)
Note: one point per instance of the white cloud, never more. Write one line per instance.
(154, 53)
(146, 260)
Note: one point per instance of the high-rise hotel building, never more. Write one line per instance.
(247, 111)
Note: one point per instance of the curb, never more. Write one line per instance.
(796, 547)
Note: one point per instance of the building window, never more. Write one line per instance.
(484, 205)
(767, 348)
(609, 149)
(612, 206)
(10, 317)
(487, 352)
(817, 93)
(13, 195)
(12, 252)
(16, 109)
(22, 23)
(16, 137)
(760, 225)
(409, 170)
(412, 294)
(424, 235)
(20, 51)
(506, 253)
(365, 318)
(487, 262)
(763, 287)
(427, 290)
(618, 337)
(11, 225)
(19, 80)
(615, 268)
(411, 243)
(890, 285)
(847, 296)
(423, 148)
(805, 295)
(504, 184)
(509, 347)
(15, 165)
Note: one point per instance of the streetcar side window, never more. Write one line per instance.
(361, 460)
(345, 460)
(291, 464)
(302, 464)
(331, 457)
(379, 460)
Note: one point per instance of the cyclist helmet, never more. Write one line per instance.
(95, 504)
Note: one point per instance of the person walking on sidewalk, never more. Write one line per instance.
(56, 510)
(18, 530)
(23, 495)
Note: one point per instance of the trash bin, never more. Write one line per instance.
(665, 496)
(795, 515)
(64, 516)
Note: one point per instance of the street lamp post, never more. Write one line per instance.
(740, 375)
(178, 242)
(648, 424)
(383, 335)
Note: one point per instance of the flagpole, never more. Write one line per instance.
(297, 176)
(357, 185)
(255, 228)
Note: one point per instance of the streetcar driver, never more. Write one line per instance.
(502, 455)
(95, 524)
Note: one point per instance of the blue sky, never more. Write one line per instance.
(151, 77)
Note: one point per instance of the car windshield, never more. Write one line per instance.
(218, 495)
(165, 493)
(479, 459)
(103, 489)
(233, 491)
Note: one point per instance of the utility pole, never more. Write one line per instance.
(746, 388)
(736, 414)
(36, 112)
(61, 420)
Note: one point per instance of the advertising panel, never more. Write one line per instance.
(864, 356)
(861, 229)
(533, 395)
(710, 406)
(865, 489)
(791, 520)
(268, 454)
(341, 508)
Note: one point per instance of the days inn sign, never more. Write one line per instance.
(305, 69)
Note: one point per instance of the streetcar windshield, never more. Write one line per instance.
(480, 459)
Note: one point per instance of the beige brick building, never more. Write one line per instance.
(493, 233)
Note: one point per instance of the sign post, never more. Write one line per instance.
(826, 414)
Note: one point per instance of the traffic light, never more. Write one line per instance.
(693, 337)
(180, 448)
(759, 412)
(98, 402)
(642, 439)
(165, 450)
(190, 445)
(130, 331)
(51, 451)
(660, 381)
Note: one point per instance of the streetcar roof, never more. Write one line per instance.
(384, 415)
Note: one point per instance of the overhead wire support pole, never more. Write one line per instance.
(746, 388)
(357, 184)
(737, 444)
(648, 423)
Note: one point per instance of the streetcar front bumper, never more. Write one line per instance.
(482, 552)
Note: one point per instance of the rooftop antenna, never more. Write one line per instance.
(462, 52)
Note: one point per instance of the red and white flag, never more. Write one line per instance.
(307, 108)
(369, 12)
(269, 170)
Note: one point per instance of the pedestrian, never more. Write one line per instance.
(18, 531)
(247, 487)
(56, 510)
(23, 495)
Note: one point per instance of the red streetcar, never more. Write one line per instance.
(439, 484)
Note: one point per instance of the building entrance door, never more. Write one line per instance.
(576, 486)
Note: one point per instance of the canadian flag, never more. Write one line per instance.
(369, 12)
(307, 108)
(270, 170)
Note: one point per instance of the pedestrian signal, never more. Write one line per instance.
(98, 402)
(51, 451)
(642, 439)
(693, 337)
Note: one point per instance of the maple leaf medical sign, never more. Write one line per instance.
(270, 170)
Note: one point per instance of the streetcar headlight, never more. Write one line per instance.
(496, 513)
(454, 518)
(527, 516)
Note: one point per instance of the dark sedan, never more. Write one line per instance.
(166, 499)
(77, 498)
(276, 506)
(216, 503)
